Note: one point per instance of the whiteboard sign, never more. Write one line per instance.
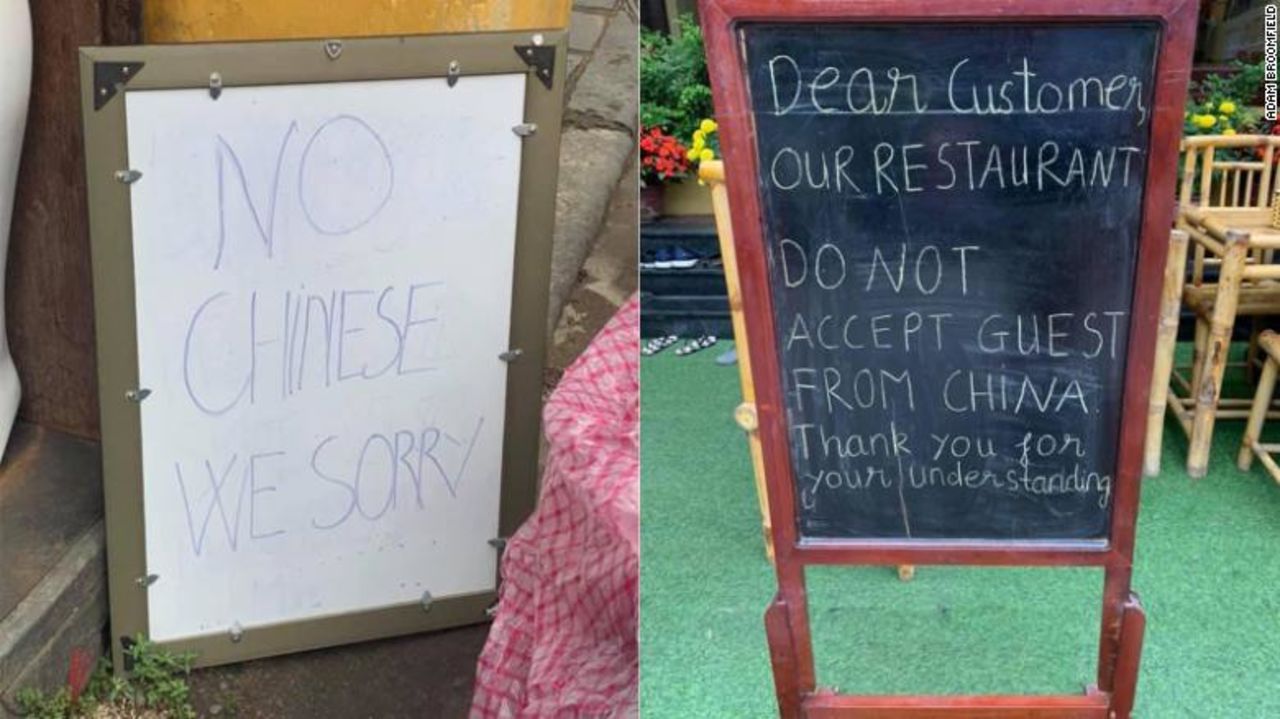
(323, 287)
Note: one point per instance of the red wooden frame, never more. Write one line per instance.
(787, 621)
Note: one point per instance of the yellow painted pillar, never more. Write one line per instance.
(205, 20)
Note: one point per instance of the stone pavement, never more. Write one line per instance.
(608, 277)
(599, 136)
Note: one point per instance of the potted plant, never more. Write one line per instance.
(662, 160)
(686, 197)
(675, 99)
(1226, 104)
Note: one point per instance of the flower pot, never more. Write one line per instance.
(687, 197)
(651, 202)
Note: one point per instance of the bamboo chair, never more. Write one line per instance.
(1245, 288)
(1252, 445)
(1212, 184)
(712, 173)
(1236, 192)
(1225, 213)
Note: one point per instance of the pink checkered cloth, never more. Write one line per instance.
(563, 643)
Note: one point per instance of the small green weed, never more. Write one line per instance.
(155, 689)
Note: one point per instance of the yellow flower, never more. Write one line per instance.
(1228, 131)
(698, 144)
(709, 126)
(1205, 122)
(1223, 119)
(706, 155)
(699, 136)
(1227, 107)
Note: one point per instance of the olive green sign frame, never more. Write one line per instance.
(106, 75)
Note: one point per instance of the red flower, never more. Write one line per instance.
(662, 157)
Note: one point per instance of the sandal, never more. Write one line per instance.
(657, 344)
(696, 345)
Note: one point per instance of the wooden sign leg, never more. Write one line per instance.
(1133, 625)
(777, 626)
(1115, 597)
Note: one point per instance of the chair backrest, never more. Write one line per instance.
(1212, 182)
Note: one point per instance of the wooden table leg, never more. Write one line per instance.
(1251, 356)
(1208, 387)
(1198, 343)
(1166, 342)
(1258, 412)
(712, 172)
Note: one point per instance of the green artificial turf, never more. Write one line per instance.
(1208, 572)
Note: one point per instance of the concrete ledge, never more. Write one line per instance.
(606, 93)
(591, 163)
(598, 138)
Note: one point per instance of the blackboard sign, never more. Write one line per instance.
(951, 216)
(951, 221)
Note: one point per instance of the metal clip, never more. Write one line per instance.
(498, 543)
(332, 49)
(525, 129)
(455, 70)
(215, 85)
(128, 177)
(427, 599)
(147, 580)
(236, 633)
(541, 59)
(137, 395)
(109, 78)
(511, 355)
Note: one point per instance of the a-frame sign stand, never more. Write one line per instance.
(787, 617)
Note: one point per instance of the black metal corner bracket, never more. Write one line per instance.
(542, 58)
(126, 647)
(109, 77)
